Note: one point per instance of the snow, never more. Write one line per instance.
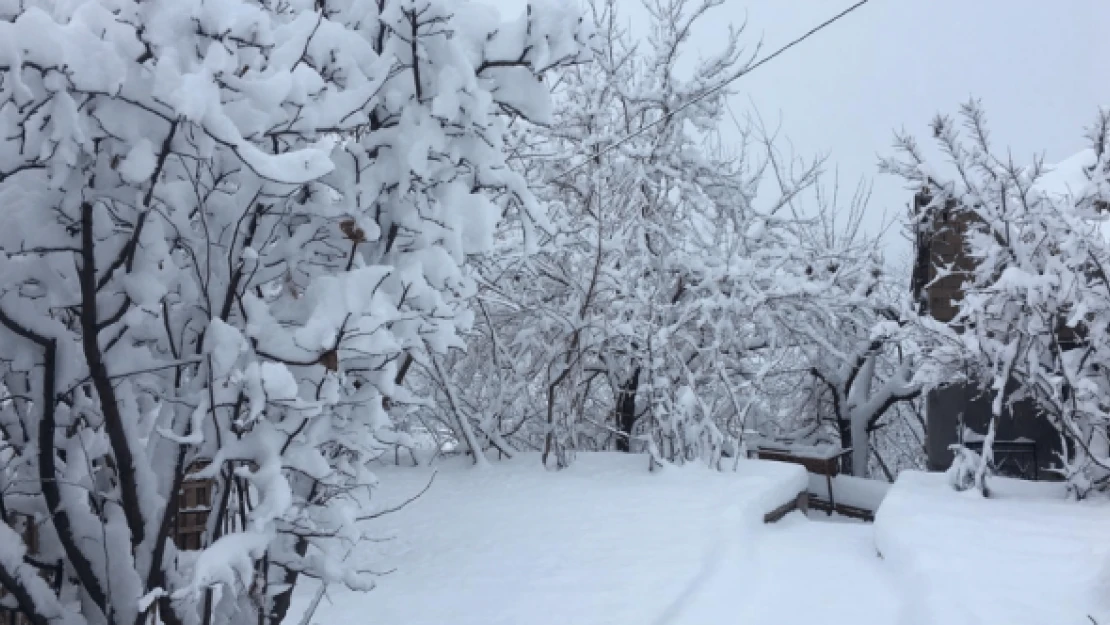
(290, 168)
(802, 572)
(604, 541)
(224, 343)
(850, 491)
(1068, 178)
(227, 562)
(607, 541)
(1023, 557)
(140, 162)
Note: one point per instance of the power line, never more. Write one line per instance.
(718, 88)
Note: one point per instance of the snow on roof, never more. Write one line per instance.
(1070, 177)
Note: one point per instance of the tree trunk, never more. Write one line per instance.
(280, 605)
(844, 426)
(858, 416)
(861, 446)
(626, 411)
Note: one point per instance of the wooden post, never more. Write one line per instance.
(832, 501)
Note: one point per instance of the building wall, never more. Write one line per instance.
(942, 243)
(947, 407)
(945, 237)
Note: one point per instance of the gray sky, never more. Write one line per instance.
(1039, 67)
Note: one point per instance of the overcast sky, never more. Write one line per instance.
(1039, 67)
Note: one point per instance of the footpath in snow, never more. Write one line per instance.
(798, 572)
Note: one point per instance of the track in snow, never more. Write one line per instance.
(799, 572)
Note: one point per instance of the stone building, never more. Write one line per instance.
(1026, 444)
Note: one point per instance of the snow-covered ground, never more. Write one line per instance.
(607, 542)
(798, 572)
(603, 542)
(1023, 557)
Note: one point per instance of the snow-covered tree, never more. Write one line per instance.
(859, 399)
(227, 225)
(659, 313)
(1035, 317)
(863, 352)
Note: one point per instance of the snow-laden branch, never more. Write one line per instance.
(232, 228)
(1035, 312)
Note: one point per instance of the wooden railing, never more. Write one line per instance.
(190, 523)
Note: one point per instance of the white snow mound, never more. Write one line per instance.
(1023, 557)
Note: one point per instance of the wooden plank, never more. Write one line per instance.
(823, 452)
(195, 499)
(801, 502)
(853, 512)
(820, 466)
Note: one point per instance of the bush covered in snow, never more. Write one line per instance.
(1035, 322)
(685, 289)
(227, 226)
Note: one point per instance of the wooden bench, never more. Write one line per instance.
(852, 512)
(1012, 458)
(815, 460)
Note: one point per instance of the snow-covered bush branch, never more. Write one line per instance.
(227, 225)
(1036, 313)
